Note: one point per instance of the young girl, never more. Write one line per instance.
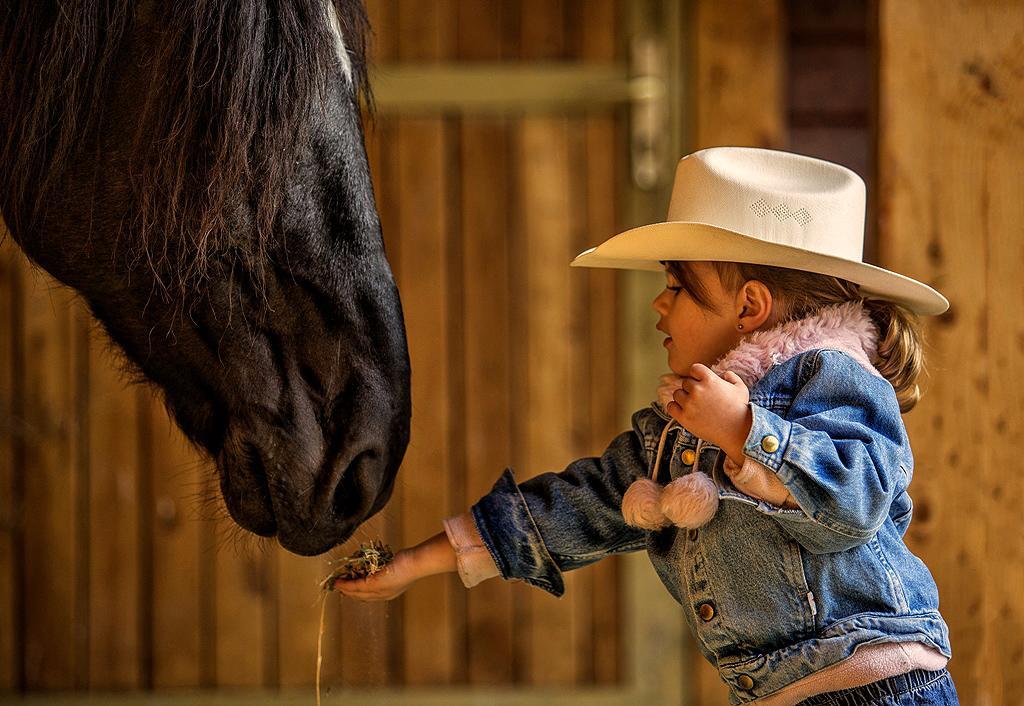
(768, 483)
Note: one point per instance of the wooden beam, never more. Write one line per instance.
(493, 87)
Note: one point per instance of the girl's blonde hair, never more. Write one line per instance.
(797, 294)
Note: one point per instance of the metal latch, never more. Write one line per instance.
(649, 130)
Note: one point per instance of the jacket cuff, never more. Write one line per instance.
(768, 438)
(472, 558)
(511, 536)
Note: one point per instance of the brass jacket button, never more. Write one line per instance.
(745, 682)
(706, 611)
(688, 456)
(770, 443)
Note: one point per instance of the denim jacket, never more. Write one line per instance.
(771, 594)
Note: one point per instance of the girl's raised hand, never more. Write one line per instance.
(713, 408)
(668, 384)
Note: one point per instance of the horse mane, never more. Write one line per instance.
(232, 86)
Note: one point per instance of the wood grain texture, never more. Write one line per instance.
(550, 644)
(114, 552)
(55, 614)
(739, 73)
(598, 172)
(243, 572)
(10, 649)
(527, 194)
(425, 479)
(951, 128)
(426, 34)
(298, 597)
(485, 272)
(484, 184)
(177, 506)
(602, 171)
(581, 394)
(543, 287)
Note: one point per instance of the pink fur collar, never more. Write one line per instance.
(846, 327)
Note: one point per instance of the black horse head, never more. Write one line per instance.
(196, 171)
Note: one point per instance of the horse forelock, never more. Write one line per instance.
(232, 88)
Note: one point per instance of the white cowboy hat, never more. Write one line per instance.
(766, 207)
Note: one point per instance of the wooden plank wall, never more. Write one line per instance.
(10, 607)
(947, 151)
(951, 146)
(118, 566)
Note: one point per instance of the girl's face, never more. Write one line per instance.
(695, 334)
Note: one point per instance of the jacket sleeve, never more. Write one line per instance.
(840, 450)
(557, 522)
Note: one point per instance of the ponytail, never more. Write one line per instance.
(900, 354)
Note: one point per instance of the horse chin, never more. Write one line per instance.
(258, 523)
(305, 545)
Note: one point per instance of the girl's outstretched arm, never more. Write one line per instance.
(556, 522)
(534, 530)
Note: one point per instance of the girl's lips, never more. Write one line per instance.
(667, 341)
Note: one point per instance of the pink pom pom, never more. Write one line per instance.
(641, 506)
(690, 501)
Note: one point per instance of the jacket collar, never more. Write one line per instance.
(846, 327)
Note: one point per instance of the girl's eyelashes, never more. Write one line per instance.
(673, 289)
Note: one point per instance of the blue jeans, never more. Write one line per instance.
(916, 688)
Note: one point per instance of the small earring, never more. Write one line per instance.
(739, 326)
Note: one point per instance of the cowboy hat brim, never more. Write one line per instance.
(644, 247)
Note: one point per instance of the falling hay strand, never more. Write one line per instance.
(320, 645)
(366, 561)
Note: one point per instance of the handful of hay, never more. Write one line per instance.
(365, 561)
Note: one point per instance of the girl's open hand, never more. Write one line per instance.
(713, 408)
(390, 582)
(432, 556)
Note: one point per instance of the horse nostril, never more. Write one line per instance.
(246, 490)
(254, 461)
(351, 495)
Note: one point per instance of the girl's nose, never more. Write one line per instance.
(659, 303)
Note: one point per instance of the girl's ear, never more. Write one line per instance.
(754, 305)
